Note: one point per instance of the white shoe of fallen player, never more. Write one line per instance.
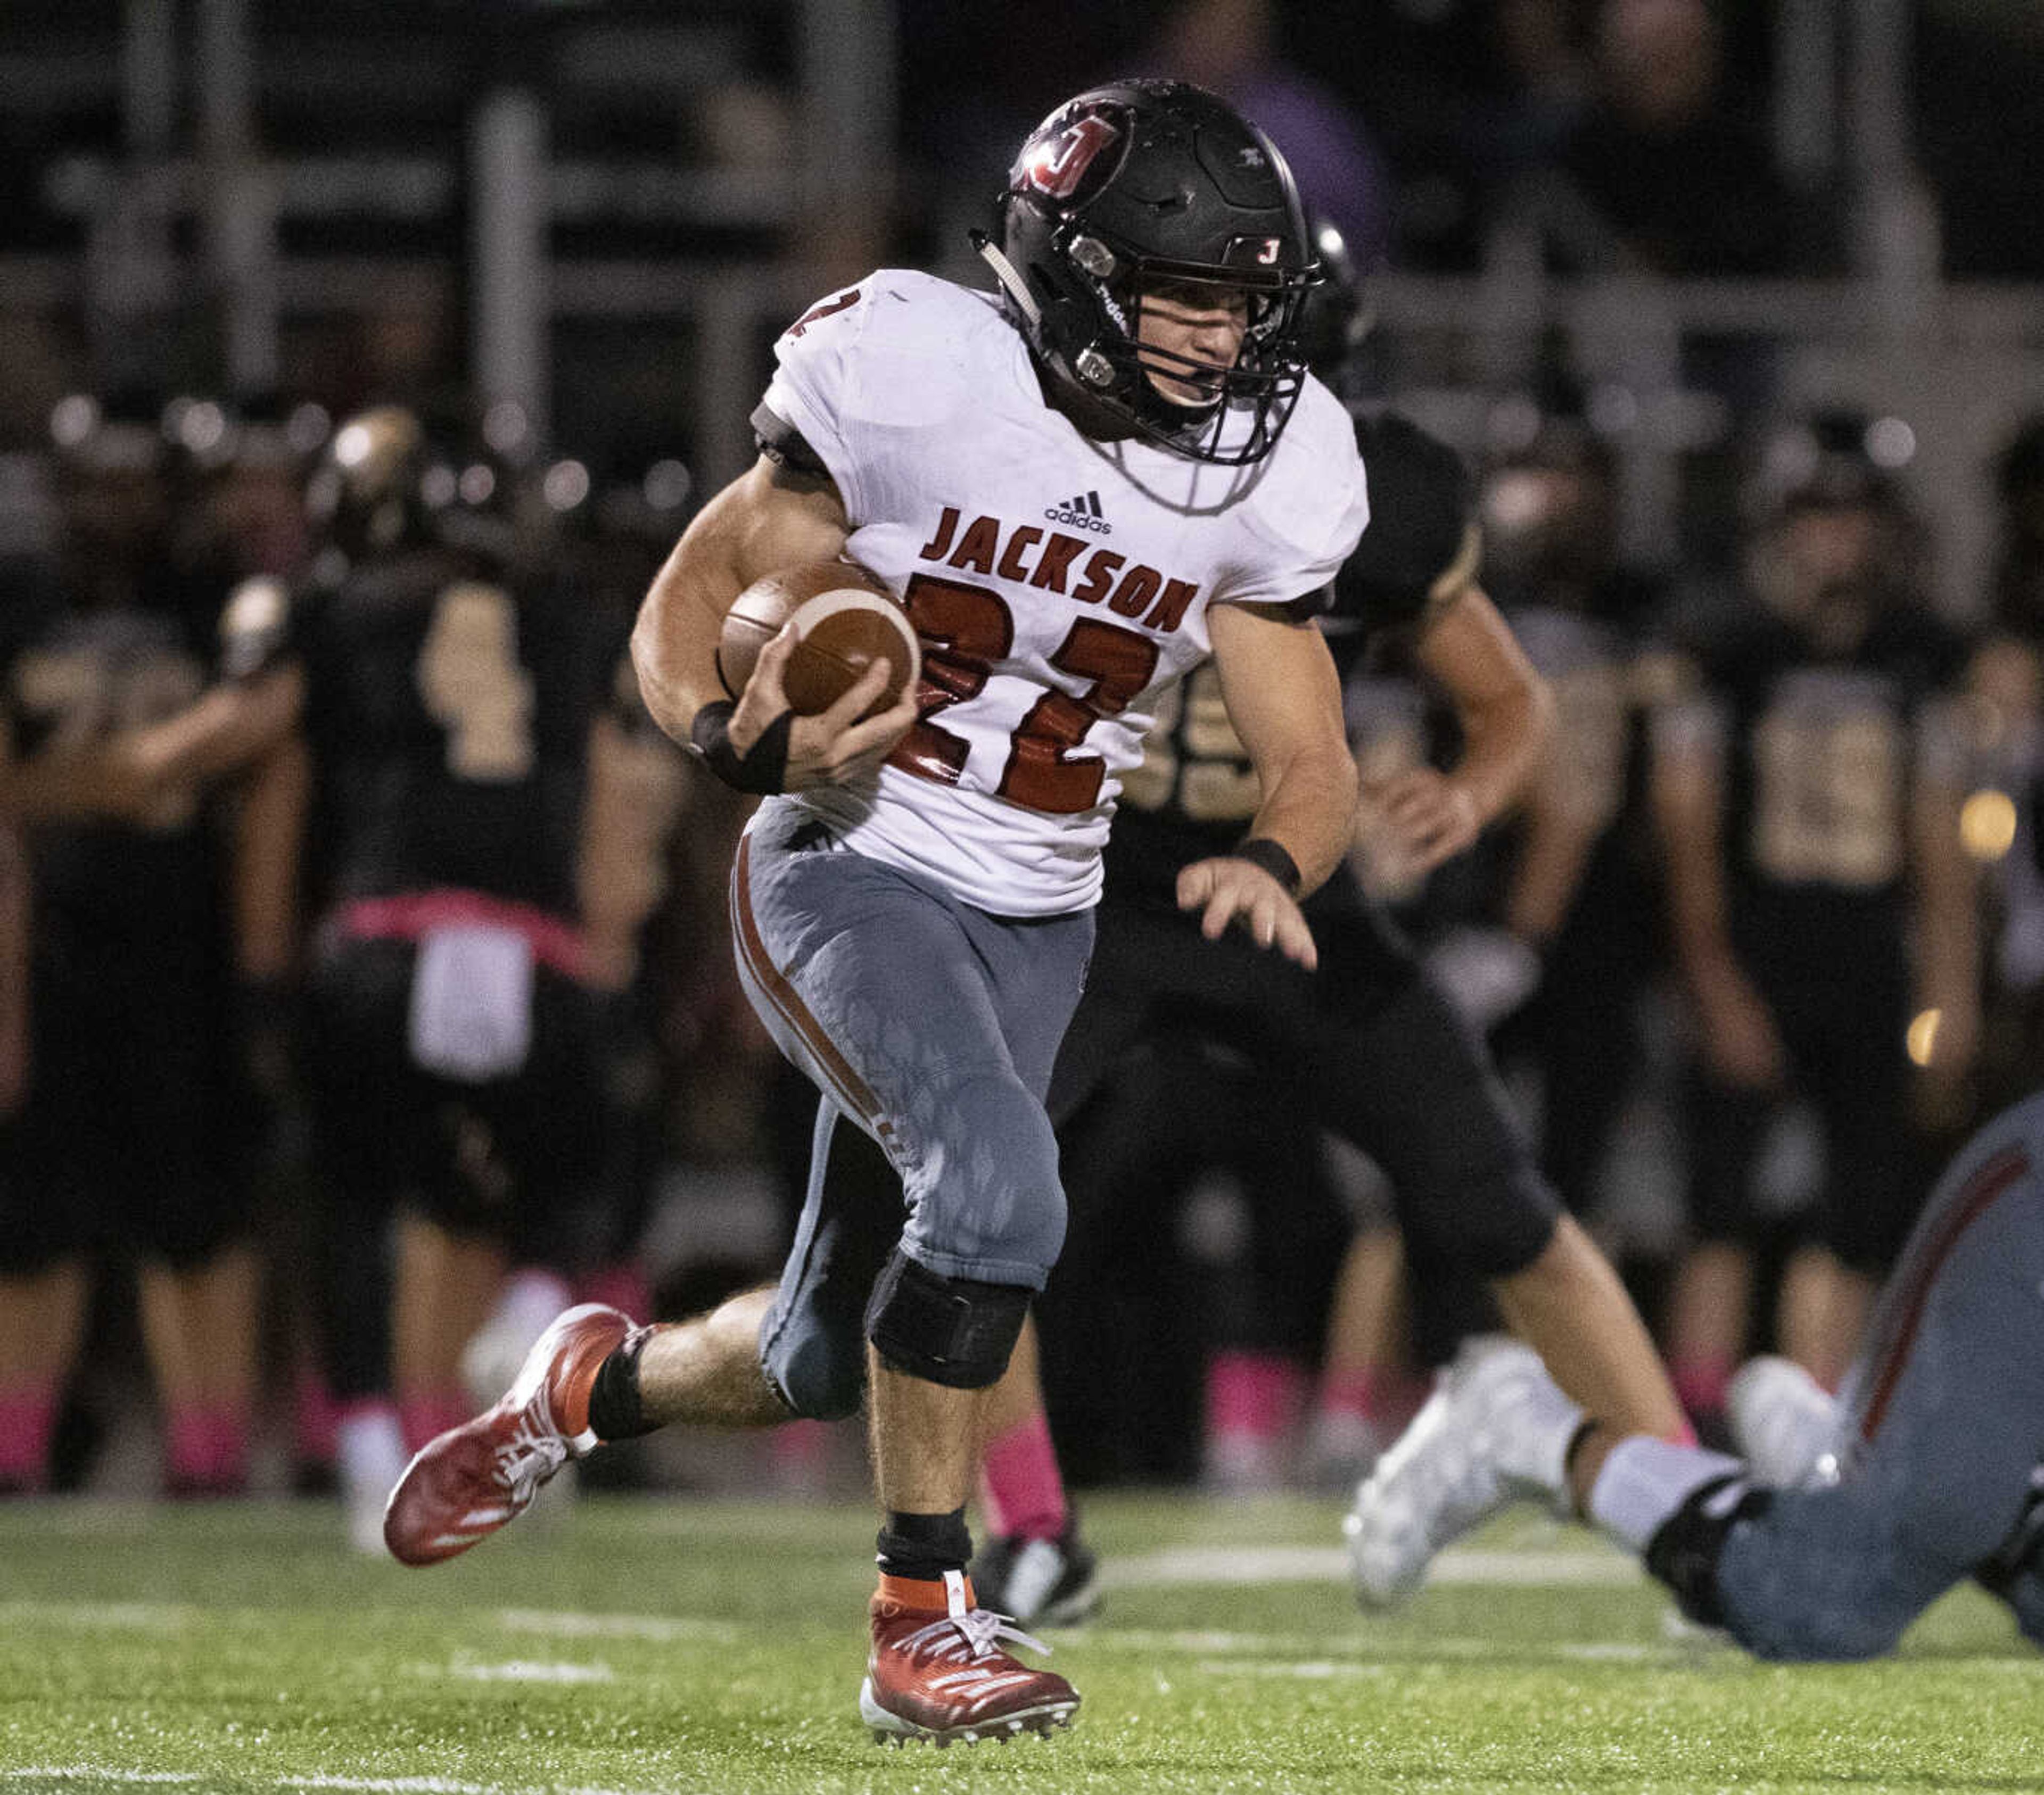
(369, 1454)
(1496, 1429)
(1784, 1424)
(524, 1310)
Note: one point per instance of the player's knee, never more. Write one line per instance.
(1491, 1223)
(186, 1234)
(1840, 1630)
(820, 1376)
(991, 1198)
(958, 1332)
(1031, 1238)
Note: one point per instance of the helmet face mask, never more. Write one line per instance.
(1152, 197)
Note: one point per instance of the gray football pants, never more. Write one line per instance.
(1941, 1427)
(932, 1024)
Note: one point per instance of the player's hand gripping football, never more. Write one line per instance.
(833, 747)
(1226, 889)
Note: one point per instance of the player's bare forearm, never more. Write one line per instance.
(1284, 698)
(1551, 860)
(1504, 706)
(766, 519)
(1947, 914)
(634, 796)
(269, 841)
(1740, 1038)
(1309, 809)
(1687, 800)
(231, 727)
(63, 785)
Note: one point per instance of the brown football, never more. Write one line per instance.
(847, 619)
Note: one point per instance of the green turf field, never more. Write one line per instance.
(671, 1645)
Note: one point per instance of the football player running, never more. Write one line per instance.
(1079, 488)
(1849, 1518)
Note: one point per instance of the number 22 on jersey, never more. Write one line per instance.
(965, 629)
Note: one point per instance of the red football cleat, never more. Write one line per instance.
(464, 1485)
(940, 1674)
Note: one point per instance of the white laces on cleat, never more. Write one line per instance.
(977, 1633)
(529, 1458)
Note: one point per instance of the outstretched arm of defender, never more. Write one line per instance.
(1505, 712)
(770, 517)
(1284, 701)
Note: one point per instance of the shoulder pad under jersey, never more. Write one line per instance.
(1310, 500)
(1420, 546)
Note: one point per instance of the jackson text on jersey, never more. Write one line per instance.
(1045, 650)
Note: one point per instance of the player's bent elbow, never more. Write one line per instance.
(1538, 698)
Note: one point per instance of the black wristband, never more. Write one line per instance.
(762, 768)
(1260, 850)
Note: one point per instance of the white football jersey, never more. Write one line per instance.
(1059, 586)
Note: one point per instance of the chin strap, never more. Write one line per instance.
(1012, 283)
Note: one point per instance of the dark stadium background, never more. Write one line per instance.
(603, 212)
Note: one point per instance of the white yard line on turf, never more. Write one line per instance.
(520, 1671)
(660, 1629)
(1329, 1564)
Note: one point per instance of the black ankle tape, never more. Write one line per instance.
(1583, 1429)
(1685, 1550)
(924, 1546)
(615, 1411)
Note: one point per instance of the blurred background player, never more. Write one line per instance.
(1579, 887)
(1926, 1471)
(124, 1147)
(470, 863)
(1821, 906)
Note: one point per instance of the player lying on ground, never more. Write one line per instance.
(914, 934)
(1926, 1470)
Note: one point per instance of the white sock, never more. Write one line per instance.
(1643, 1481)
(530, 1300)
(369, 1450)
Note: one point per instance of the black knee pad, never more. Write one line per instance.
(189, 1226)
(958, 1332)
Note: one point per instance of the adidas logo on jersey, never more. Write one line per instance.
(1083, 512)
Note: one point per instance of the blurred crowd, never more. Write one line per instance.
(1765, 938)
(1767, 934)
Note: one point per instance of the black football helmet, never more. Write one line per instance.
(1142, 184)
(391, 478)
(1333, 322)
